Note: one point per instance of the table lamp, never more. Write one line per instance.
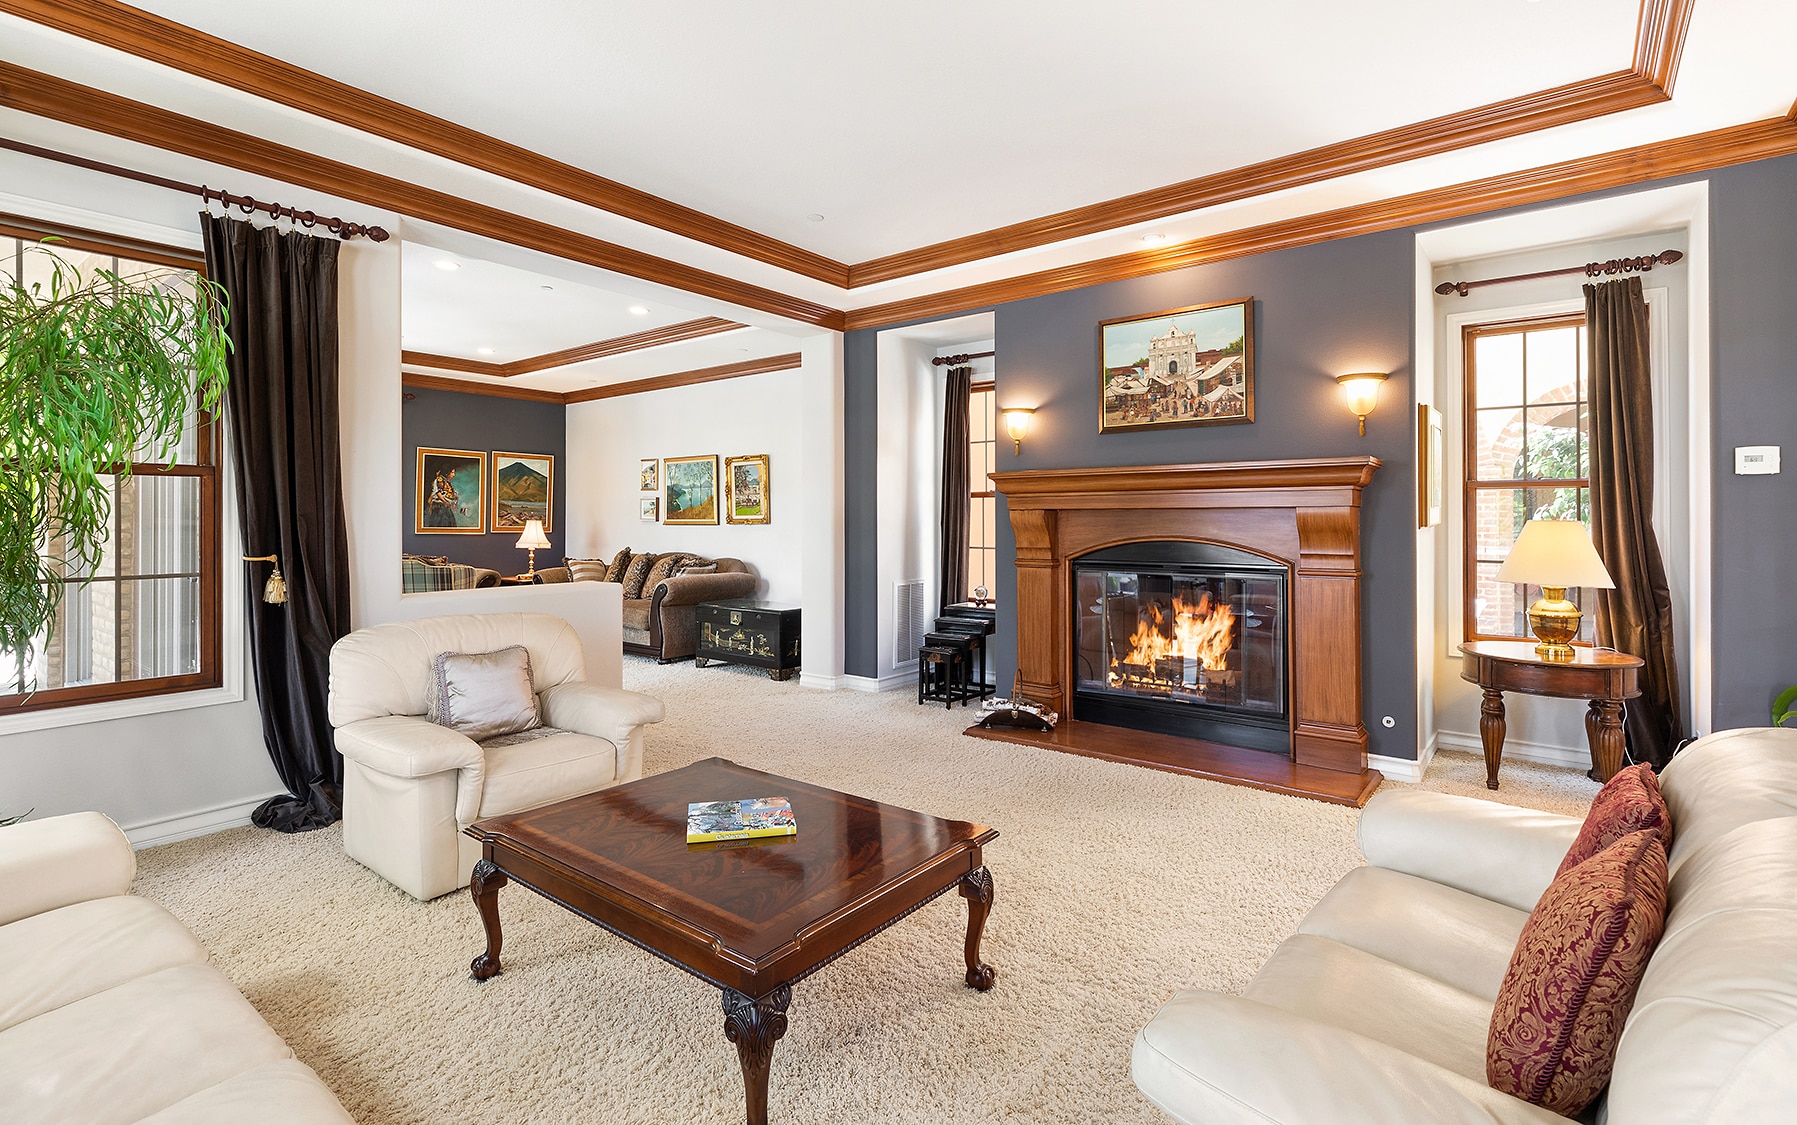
(1555, 554)
(532, 538)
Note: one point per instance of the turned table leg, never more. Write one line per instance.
(1491, 733)
(484, 887)
(755, 1026)
(976, 888)
(1603, 726)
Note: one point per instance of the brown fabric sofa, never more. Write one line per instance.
(663, 623)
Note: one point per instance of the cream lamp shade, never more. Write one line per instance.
(1017, 425)
(533, 536)
(1360, 391)
(1555, 554)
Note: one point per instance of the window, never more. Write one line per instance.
(1527, 457)
(144, 619)
(982, 503)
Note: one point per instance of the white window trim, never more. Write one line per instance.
(232, 653)
(1453, 414)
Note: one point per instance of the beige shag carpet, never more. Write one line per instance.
(1116, 886)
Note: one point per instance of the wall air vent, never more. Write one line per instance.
(908, 622)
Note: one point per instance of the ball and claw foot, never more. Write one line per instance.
(976, 888)
(484, 886)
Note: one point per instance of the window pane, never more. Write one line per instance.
(83, 646)
(159, 626)
(1498, 608)
(1553, 443)
(103, 563)
(1553, 364)
(160, 516)
(1500, 444)
(186, 450)
(1497, 364)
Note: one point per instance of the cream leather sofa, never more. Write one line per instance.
(109, 1012)
(411, 786)
(1377, 1009)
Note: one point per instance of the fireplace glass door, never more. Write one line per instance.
(1193, 646)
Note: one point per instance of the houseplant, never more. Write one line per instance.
(1784, 707)
(96, 372)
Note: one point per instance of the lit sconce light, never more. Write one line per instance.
(1361, 392)
(274, 591)
(1017, 426)
(532, 539)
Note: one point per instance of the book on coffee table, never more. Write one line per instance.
(739, 820)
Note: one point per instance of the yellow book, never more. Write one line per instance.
(739, 820)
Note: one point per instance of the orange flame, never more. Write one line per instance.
(1202, 633)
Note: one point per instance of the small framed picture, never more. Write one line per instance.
(449, 494)
(648, 480)
(1182, 367)
(651, 508)
(746, 486)
(691, 486)
(1429, 469)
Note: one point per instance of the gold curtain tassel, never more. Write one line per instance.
(274, 591)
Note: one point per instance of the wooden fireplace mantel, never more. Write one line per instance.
(1302, 513)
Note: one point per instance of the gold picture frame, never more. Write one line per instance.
(647, 475)
(523, 488)
(1191, 366)
(748, 489)
(690, 488)
(1431, 481)
(449, 492)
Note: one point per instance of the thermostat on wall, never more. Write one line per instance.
(1756, 460)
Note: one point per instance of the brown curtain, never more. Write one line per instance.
(282, 291)
(952, 568)
(1635, 617)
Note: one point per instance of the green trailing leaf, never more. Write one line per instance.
(1784, 707)
(95, 372)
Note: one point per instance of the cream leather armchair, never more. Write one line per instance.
(411, 786)
(1377, 1010)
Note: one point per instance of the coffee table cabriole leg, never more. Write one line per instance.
(484, 887)
(976, 888)
(755, 1026)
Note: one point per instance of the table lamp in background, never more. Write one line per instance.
(1555, 554)
(533, 538)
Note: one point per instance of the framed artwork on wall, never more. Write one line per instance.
(646, 475)
(523, 489)
(1430, 481)
(747, 497)
(449, 497)
(690, 485)
(651, 504)
(1182, 367)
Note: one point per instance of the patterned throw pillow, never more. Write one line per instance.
(1574, 974)
(585, 570)
(620, 562)
(1627, 803)
(697, 568)
(665, 568)
(635, 573)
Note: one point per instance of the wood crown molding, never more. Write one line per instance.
(45, 95)
(1659, 43)
(582, 353)
(1739, 144)
(687, 378)
(466, 386)
(187, 49)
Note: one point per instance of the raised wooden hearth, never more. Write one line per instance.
(1197, 758)
(1303, 514)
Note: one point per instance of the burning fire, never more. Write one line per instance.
(1201, 637)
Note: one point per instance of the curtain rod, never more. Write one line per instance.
(1589, 269)
(342, 228)
(952, 360)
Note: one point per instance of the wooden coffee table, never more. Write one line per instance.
(751, 918)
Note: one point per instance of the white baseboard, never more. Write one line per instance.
(889, 682)
(820, 680)
(1569, 757)
(1405, 769)
(188, 825)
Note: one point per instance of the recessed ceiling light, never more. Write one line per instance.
(638, 310)
(484, 351)
(815, 218)
(1154, 239)
(447, 264)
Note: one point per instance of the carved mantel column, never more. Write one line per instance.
(1303, 513)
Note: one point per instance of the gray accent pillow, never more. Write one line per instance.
(483, 694)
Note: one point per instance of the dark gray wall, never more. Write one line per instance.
(1753, 236)
(860, 462)
(452, 420)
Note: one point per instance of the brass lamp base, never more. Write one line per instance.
(1555, 622)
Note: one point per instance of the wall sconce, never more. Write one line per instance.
(532, 539)
(1361, 392)
(274, 591)
(1017, 426)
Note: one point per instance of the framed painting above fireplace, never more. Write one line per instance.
(1181, 367)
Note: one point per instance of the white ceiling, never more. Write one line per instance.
(906, 124)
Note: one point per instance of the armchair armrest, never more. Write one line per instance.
(1215, 1059)
(62, 860)
(691, 589)
(410, 746)
(616, 715)
(1495, 851)
(552, 574)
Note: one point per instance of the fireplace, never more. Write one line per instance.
(1182, 638)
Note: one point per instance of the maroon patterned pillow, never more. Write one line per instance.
(635, 573)
(1627, 803)
(1574, 974)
